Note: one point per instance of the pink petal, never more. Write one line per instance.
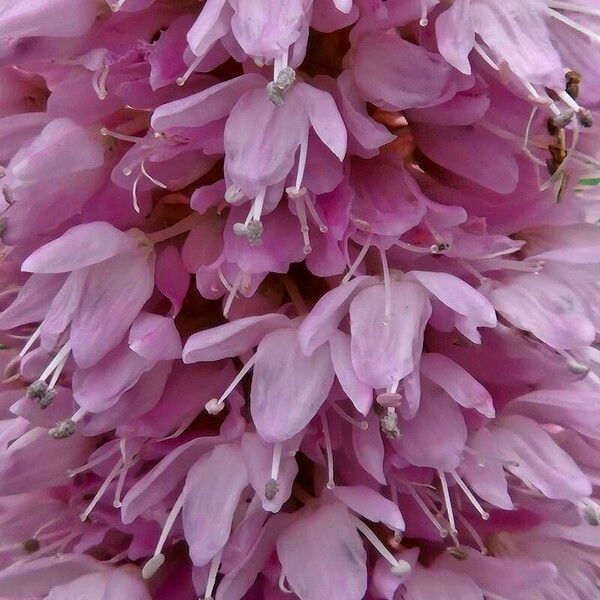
(288, 388)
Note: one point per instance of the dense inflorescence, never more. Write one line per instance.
(300, 299)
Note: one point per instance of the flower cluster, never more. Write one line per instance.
(300, 299)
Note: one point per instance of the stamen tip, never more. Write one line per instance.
(213, 406)
(117, 504)
(271, 489)
(423, 22)
(400, 569)
(153, 565)
(180, 81)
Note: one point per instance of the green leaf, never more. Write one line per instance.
(590, 182)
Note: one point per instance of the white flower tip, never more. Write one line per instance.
(400, 569)
(153, 565)
(424, 22)
(117, 504)
(577, 368)
(180, 81)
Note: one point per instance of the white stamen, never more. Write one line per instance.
(99, 82)
(447, 501)
(232, 294)
(328, 451)
(568, 100)
(33, 338)
(120, 136)
(399, 567)
(574, 25)
(423, 21)
(156, 182)
(116, 6)
(57, 372)
(233, 194)
(358, 260)
(469, 494)
(473, 533)
(122, 475)
(314, 214)
(92, 463)
(136, 204)
(298, 198)
(212, 575)
(79, 414)
(277, 446)
(584, 10)
(215, 405)
(181, 80)
(340, 411)
(152, 566)
(388, 288)
(56, 361)
(302, 160)
(101, 490)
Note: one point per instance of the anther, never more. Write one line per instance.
(458, 552)
(584, 116)
(271, 489)
(389, 400)
(577, 368)
(40, 392)
(254, 232)
(278, 88)
(214, 407)
(399, 568)
(62, 430)
(388, 423)
(439, 248)
(559, 122)
(233, 194)
(31, 546)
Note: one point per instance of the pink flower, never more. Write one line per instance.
(383, 380)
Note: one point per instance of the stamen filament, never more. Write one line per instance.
(328, 451)
(469, 494)
(388, 287)
(33, 338)
(447, 501)
(584, 10)
(158, 558)
(181, 80)
(183, 226)
(574, 25)
(399, 567)
(361, 256)
(212, 575)
(120, 136)
(56, 361)
(101, 490)
(421, 503)
(215, 405)
(160, 184)
(356, 423)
